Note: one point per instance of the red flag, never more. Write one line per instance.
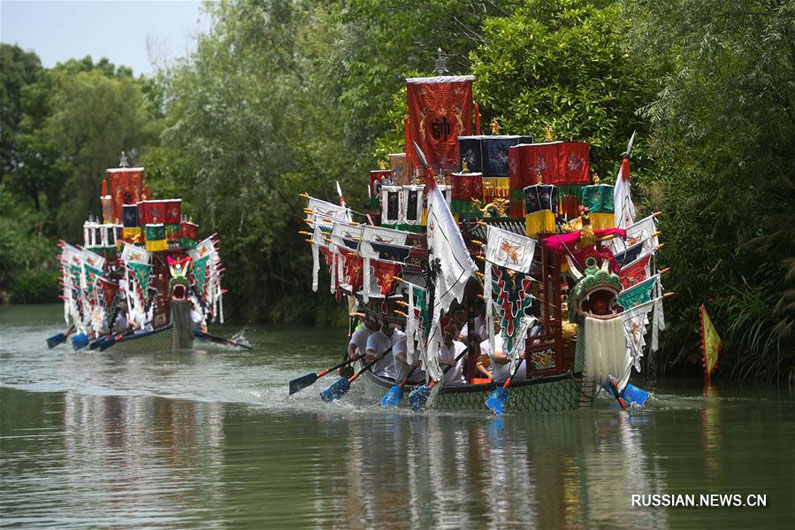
(385, 273)
(558, 163)
(635, 272)
(440, 110)
(126, 187)
(352, 268)
(574, 161)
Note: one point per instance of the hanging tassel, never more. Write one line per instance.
(658, 319)
(315, 266)
(602, 220)
(487, 294)
(411, 327)
(366, 276)
(540, 222)
(333, 282)
(477, 120)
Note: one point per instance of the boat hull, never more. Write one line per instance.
(163, 339)
(555, 393)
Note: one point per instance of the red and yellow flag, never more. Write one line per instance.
(710, 343)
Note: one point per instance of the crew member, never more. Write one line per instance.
(379, 346)
(448, 353)
(401, 364)
(358, 343)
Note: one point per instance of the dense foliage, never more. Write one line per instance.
(283, 97)
(723, 138)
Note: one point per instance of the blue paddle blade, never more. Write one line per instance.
(302, 382)
(55, 340)
(497, 400)
(419, 397)
(636, 395)
(392, 397)
(335, 390)
(79, 341)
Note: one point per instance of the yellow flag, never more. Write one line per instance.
(710, 342)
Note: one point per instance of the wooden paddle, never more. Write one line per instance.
(630, 395)
(614, 391)
(340, 387)
(420, 396)
(306, 380)
(221, 340)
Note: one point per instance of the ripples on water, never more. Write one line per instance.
(208, 438)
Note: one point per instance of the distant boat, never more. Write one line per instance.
(141, 280)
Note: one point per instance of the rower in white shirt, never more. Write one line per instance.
(379, 346)
(358, 343)
(448, 352)
(500, 362)
(401, 365)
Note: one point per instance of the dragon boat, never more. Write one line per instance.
(520, 234)
(141, 280)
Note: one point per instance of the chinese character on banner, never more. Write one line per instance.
(440, 110)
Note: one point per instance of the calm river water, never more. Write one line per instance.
(210, 439)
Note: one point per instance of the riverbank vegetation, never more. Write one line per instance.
(283, 97)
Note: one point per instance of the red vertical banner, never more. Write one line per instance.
(440, 110)
(541, 159)
(575, 163)
(126, 187)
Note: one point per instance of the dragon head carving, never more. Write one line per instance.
(595, 294)
(178, 285)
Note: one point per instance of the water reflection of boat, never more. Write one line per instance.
(444, 470)
(141, 460)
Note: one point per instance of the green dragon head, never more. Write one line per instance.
(595, 294)
(179, 285)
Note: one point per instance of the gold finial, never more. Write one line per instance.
(464, 167)
(595, 178)
(381, 164)
(539, 178)
(495, 126)
(549, 133)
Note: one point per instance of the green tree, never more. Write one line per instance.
(253, 119)
(723, 136)
(564, 64)
(79, 118)
(18, 69)
(381, 43)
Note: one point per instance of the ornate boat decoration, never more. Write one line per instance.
(141, 278)
(512, 231)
